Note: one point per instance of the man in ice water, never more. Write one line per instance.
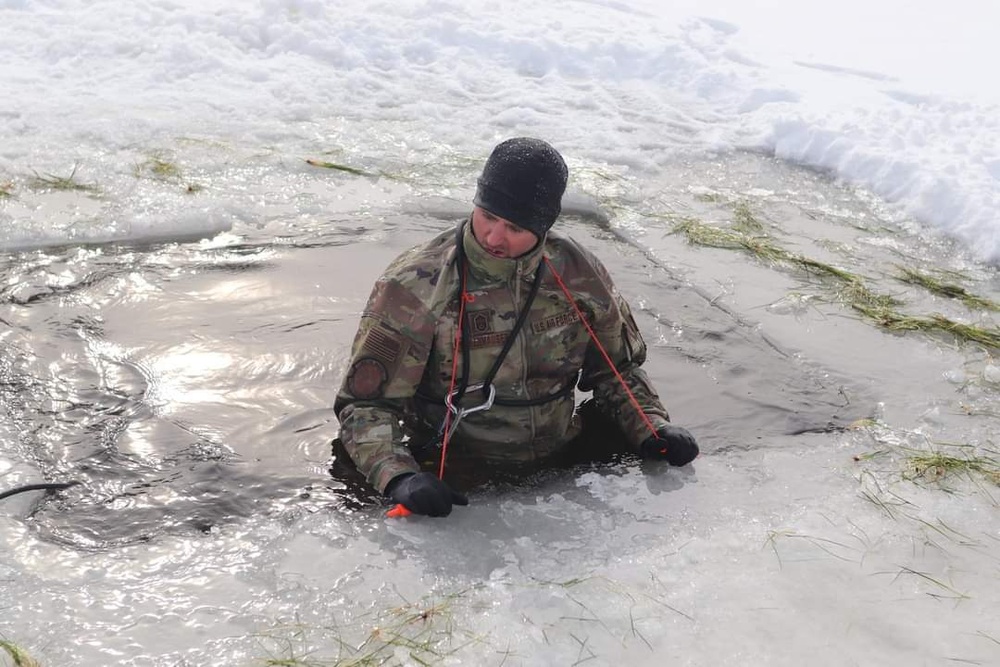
(479, 339)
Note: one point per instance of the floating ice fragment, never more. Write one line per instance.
(955, 376)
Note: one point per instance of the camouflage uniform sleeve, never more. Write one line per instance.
(388, 358)
(618, 333)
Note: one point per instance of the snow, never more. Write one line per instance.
(896, 97)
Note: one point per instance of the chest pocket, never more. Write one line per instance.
(488, 332)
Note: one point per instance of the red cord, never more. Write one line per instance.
(607, 357)
(400, 510)
(466, 298)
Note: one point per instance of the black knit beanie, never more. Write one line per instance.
(523, 181)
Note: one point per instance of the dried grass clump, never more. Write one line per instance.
(852, 289)
(159, 167)
(896, 321)
(938, 466)
(65, 183)
(745, 221)
(946, 290)
(17, 654)
(336, 166)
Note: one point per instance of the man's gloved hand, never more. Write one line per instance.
(673, 443)
(424, 493)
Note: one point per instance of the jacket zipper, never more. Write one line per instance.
(522, 348)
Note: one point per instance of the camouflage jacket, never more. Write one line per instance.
(403, 354)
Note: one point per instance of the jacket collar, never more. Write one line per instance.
(486, 267)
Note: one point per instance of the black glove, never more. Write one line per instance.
(673, 443)
(424, 493)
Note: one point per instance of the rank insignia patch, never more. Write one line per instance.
(480, 321)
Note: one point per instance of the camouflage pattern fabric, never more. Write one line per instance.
(405, 346)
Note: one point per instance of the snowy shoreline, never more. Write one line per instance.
(885, 99)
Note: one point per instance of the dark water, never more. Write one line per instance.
(186, 386)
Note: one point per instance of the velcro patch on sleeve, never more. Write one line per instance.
(383, 345)
(367, 378)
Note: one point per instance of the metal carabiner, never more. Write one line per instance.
(485, 405)
(461, 412)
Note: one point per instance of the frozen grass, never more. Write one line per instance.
(443, 172)
(159, 167)
(834, 548)
(442, 629)
(15, 656)
(746, 235)
(947, 290)
(745, 221)
(67, 183)
(938, 466)
(6, 189)
(338, 167)
(896, 321)
(891, 475)
(426, 632)
(760, 246)
(946, 591)
(941, 465)
(939, 462)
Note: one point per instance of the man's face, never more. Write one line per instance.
(500, 237)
